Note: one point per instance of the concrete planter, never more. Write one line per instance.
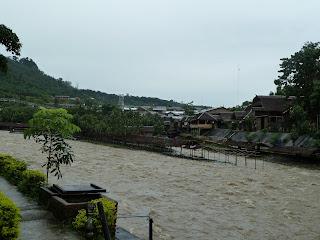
(66, 207)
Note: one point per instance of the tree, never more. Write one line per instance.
(189, 109)
(12, 43)
(50, 127)
(154, 120)
(300, 126)
(244, 105)
(299, 74)
(29, 63)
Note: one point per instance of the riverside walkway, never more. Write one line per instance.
(39, 223)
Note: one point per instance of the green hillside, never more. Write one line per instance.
(25, 79)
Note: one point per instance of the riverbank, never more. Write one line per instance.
(190, 199)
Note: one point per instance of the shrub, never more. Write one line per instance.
(109, 210)
(4, 160)
(9, 218)
(12, 169)
(316, 139)
(275, 140)
(31, 182)
(316, 143)
(193, 133)
(16, 172)
(250, 136)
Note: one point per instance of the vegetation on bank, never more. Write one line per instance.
(300, 77)
(110, 119)
(16, 113)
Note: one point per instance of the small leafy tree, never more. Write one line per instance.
(50, 127)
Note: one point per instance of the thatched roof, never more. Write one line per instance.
(226, 116)
(275, 103)
(205, 117)
(239, 115)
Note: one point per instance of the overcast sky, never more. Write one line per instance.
(185, 50)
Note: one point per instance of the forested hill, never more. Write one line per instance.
(24, 78)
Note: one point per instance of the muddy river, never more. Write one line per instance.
(191, 199)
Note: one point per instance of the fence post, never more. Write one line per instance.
(89, 225)
(150, 228)
(104, 224)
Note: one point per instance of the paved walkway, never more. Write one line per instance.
(38, 223)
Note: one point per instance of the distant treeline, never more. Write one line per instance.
(109, 119)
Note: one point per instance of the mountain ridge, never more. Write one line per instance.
(24, 78)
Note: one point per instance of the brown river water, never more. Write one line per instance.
(190, 199)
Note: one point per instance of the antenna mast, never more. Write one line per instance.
(121, 101)
(238, 84)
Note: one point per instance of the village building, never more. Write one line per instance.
(267, 111)
(204, 121)
(160, 109)
(183, 124)
(62, 97)
(175, 109)
(143, 110)
(172, 121)
(227, 118)
(147, 131)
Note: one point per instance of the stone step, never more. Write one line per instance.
(35, 214)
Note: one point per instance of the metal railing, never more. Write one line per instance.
(142, 216)
(105, 229)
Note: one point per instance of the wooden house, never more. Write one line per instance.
(204, 121)
(267, 111)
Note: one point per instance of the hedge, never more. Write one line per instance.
(15, 171)
(9, 219)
